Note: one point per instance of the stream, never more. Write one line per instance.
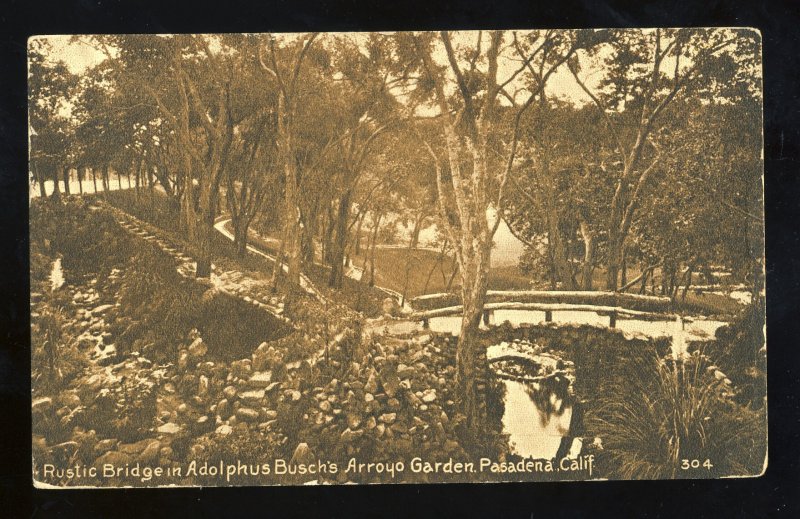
(538, 413)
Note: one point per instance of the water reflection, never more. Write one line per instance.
(532, 431)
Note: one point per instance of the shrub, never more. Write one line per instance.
(157, 302)
(663, 412)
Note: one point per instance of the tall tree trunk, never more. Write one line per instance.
(327, 239)
(409, 263)
(588, 255)
(624, 272)
(56, 189)
(416, 230)
(277, 267)
(240, 229)
(205, 228)
(94, 179)
(291, 206)
(357, 245)
(372, 252)
(470, 356)
(307, 242)
(340, 241)
(558, 247)
(105, 179)
(614, 258)
(65, 174)
(80, 173)
(37, 174)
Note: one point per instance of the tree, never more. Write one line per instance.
(645, 72)
(285, 72)
(472, 181)
(50, 89)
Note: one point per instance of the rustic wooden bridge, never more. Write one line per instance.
(611, 304)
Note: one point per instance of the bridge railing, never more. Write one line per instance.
(596, 298)
(612, 311)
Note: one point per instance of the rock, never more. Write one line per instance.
(198, 348)
(104, 446)
(349, 435)
(325, 406)
(372, 382)
(302, 455)
(390, 381)
(166, 453)
(69, 399)
(241, 368)
(203, 424)
(273, 386)
(404, 371)
(369, 397)
(224, 430)
(388, 418)
(370, 423)
(223, 408)
(253, 397)
(229, 392)
(100, 309)
(42, 404)
(429, 396)
(183, 360)
(260, 379)
(134, 448)
(150, 453)
(202, 388)
(169, 428)
(353, 420)
(114, 458)
(246, 414)
(271, 414)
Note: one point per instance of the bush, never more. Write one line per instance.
(663, 412)
(157, 303)
(89, 241)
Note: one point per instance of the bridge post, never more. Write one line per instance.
(612, 319)
(548, 316)
(425, 323)
(486, 314)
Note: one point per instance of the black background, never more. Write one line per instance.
(773, 494)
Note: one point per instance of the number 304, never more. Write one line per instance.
(695, 464)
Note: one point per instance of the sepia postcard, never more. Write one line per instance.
(406, 257)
